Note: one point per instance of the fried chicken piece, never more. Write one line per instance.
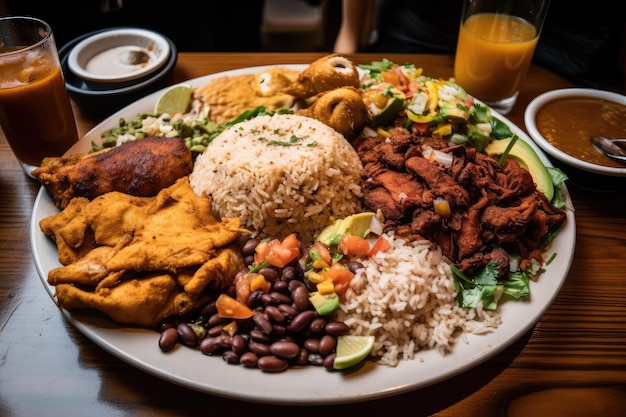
(70, 231)
(168, 250)
(89, 270)
(327, 73)
(179, 230)
(115, 217)
(143, 301)
(342, 109)
(140, 168)
(217, 272)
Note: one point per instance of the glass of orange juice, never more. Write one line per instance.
(36, 114)
(497, 40)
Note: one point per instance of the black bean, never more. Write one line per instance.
(270, 274)
(208, 310)
(329, 361)
(258, 336)
(260, 349)
(230, 357)
(289, 273)
(302, 321)
(287, 310)
(280, 298)
(249, 359)
(312, 345)
(249, 247)
(281, 286)
(295, 284)
(187, 335)
(239, 344)
(300, 297)
(272, 364)
(354, 265)
(215, 330)
(209, 346)
(274, 314)
(336, 328)
(303, 357)
(328, 344)
(279, 330)
(254, 299)
(216, 320)
(318, 325)
(262, 321)
(285, 349)
(168, 339)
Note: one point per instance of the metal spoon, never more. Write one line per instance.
(613, 148)
(134, 57)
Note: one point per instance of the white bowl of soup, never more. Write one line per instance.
(562, 122)
(119, 55)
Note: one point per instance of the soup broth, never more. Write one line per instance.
(569, 123)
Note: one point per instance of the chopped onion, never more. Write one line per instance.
(376, 226)
(443, 158)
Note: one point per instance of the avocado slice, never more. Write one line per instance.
(528, 159)
(384, 106)
(451, 97)
(357, 224)
(324, 303)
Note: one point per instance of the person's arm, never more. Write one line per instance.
(356, 25)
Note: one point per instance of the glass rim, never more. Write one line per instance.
(35, 45)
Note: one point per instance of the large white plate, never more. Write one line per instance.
(309, 385)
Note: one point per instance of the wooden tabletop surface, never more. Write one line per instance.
(571, 363)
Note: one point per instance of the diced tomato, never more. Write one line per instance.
(396, 77)
(228, 307)
(350, 244)
(340, 275)
(242, 287)
(278, 253)
(381, 245)
(420, 128)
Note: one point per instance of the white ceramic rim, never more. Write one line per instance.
(539, 101)
(161, 44)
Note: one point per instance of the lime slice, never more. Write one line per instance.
(352, 349)
(175, 99)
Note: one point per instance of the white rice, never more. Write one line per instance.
(280, 174)
(406, 299)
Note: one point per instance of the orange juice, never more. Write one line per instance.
(35, 112)
(493, 54)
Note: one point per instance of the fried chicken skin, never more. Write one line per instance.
(140, 168)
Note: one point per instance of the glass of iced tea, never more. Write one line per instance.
(36, 115)
(497, 40)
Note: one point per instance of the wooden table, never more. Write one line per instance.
(571, 363)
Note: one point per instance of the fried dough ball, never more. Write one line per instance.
(343, 109)
(327, 73)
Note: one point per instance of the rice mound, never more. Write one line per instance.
(406, 298)
(280, 174)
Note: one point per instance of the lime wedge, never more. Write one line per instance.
(175, 99)
(352, 349)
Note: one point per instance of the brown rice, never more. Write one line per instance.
(280, 174)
